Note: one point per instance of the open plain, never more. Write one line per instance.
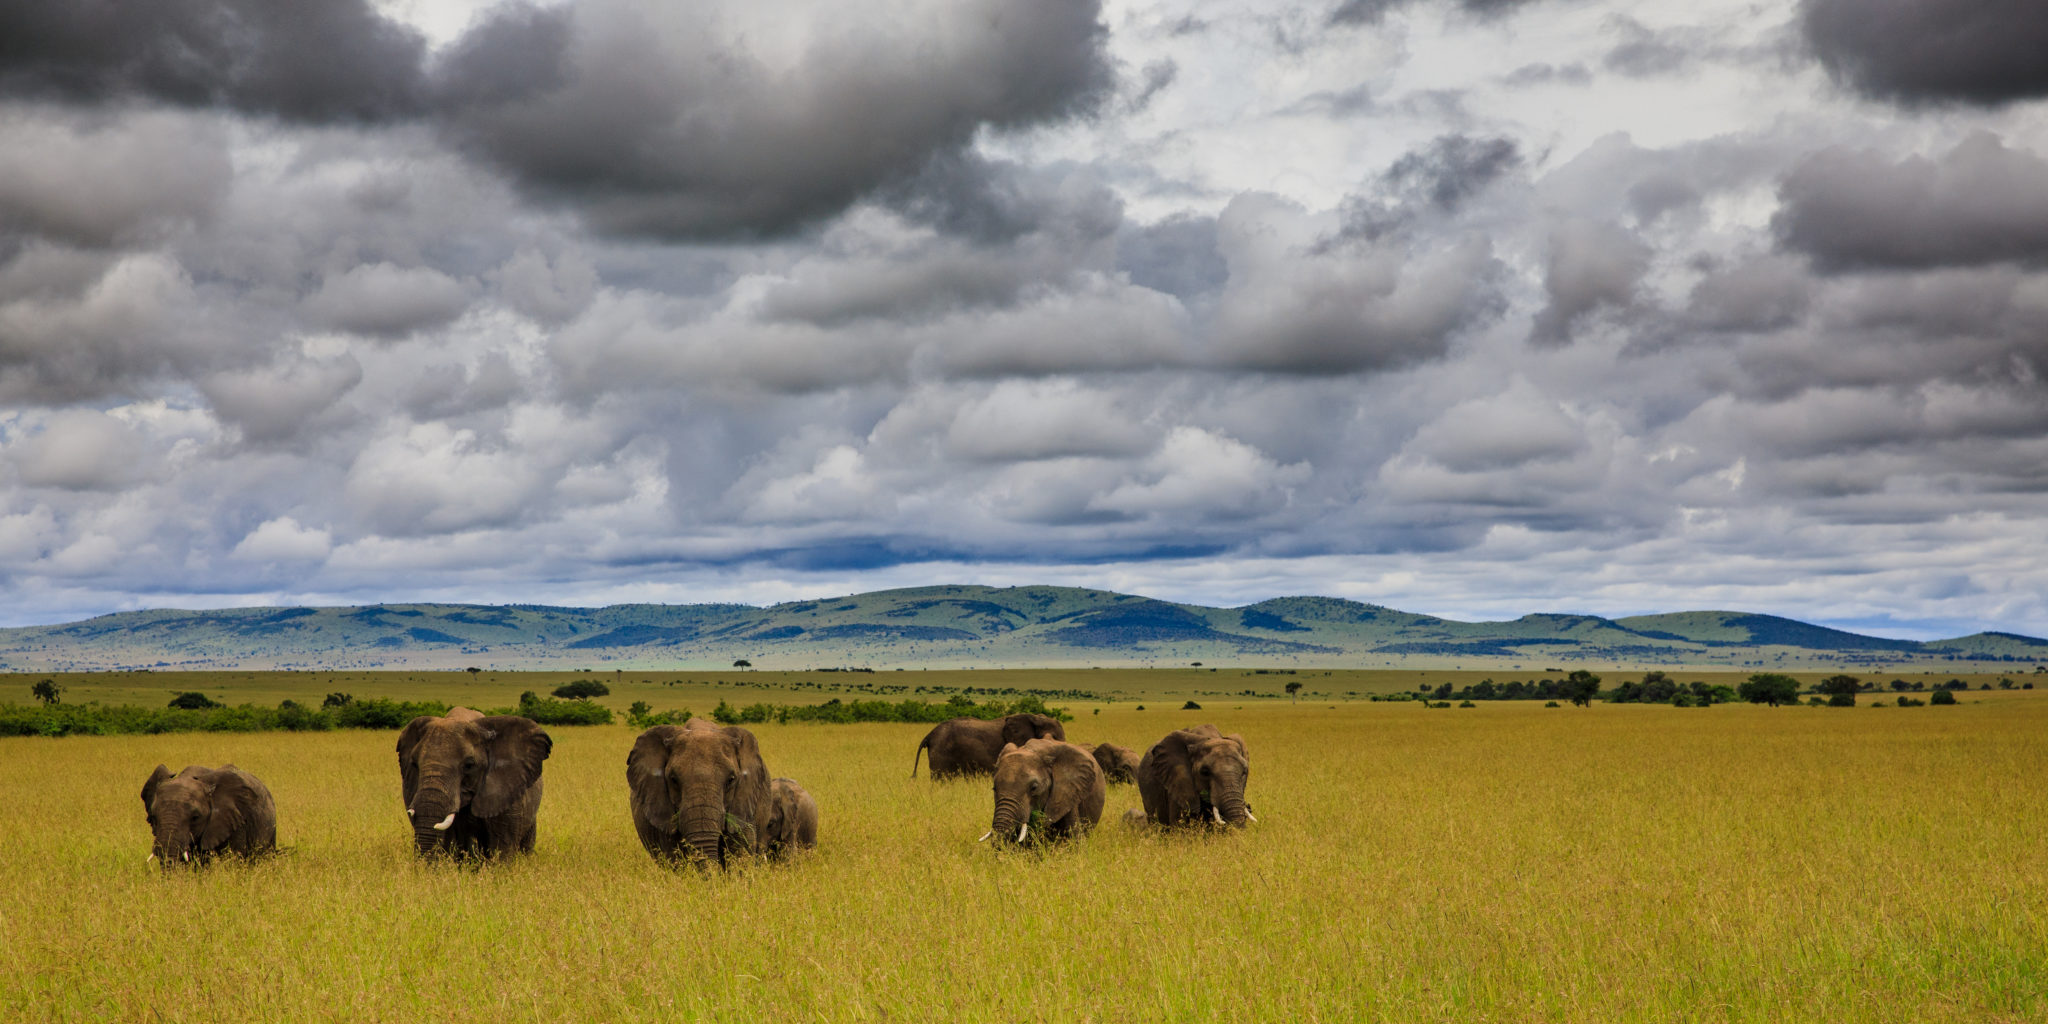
(1508, 862)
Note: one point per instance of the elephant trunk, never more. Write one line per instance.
(433, 812)
(175, 848)
(702, 827)
(1012, 820)
(1230, 804)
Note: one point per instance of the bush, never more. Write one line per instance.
(582, 689)
(548, 711)
(192, 702)
(1552, 704)
(1191, 706)
(1467, 704)
(336, 700)
(1943, 697)
(1842, 700)
(1911, 702)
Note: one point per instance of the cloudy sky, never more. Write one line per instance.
(1469, 307)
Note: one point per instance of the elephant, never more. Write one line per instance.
(700, 792)
(969, 746)
(792, 819)
(1196, 776)
(202, 812)
(1052, 779)
(472, 782)
(1119, 764)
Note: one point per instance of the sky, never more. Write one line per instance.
(1466, 307)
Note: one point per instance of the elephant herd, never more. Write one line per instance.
(701, 793)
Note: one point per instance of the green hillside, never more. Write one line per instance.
(953, 626)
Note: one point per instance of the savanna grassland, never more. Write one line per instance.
(1508, 862)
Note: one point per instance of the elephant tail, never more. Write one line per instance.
(926, 742)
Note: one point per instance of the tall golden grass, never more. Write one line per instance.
(1504, 863)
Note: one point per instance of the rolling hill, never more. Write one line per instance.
(955, 626)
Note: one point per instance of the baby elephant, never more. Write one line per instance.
(200, 812)
(1119, 764)
(1052, 779)
(792, 819)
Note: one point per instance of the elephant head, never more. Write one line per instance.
(1022, 729)
(195, 812)
(1046, 777)
(1205, 774)
(466, 763)
(700, 790)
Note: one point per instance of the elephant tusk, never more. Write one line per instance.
(1216, 814)
(1021, 829)
(1249, 816)
(442, 825)
(151, 860)
(408, 812)
(985, 835)
(187, 855)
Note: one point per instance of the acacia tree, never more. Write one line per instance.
(1580, 687)
(742, 663)
(1841, 690)
(1293, 690)
(1770, 688)
(46, 691)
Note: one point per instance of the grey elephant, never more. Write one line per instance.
(699, 792)
(969, 746)
(1119, 764)
(1057, 783)
(201, 813)
(472, 782)
(792, 819)
(1196, 776)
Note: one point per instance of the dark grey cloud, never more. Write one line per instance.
(1589, 266)
(318, 60)
(653, 124)
(1932, 51)
(1980, 202)
(1452, 168)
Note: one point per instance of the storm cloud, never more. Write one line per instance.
(1474, 307)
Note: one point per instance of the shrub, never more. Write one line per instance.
(1942, 697)
(548, 711)
(46, 691)
(1467, 704)
(1912, 702)
(726, 714)
(336, 700)
(1552, 704)
(190, 701)
(1842, 700)
(1770, 688)
(1191, 706)
(582, 689)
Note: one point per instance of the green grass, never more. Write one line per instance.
(1506, 863)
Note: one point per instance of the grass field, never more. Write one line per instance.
(1504, 863)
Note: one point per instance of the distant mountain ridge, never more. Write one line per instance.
(953, 626)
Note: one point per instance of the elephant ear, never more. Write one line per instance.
(1073, 771)
(514, 748)
(1019, 730)
(750, 792)
(156, 778)
(1048, 728)
(646, 778)
(234, 802)
(409, 740)
(1173, 770)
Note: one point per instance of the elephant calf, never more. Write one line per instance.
(1053, 779)
(792, 820)
(1196, 776)
(200, 812)
(1119, 764)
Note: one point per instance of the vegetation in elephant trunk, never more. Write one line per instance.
(1196, 777)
